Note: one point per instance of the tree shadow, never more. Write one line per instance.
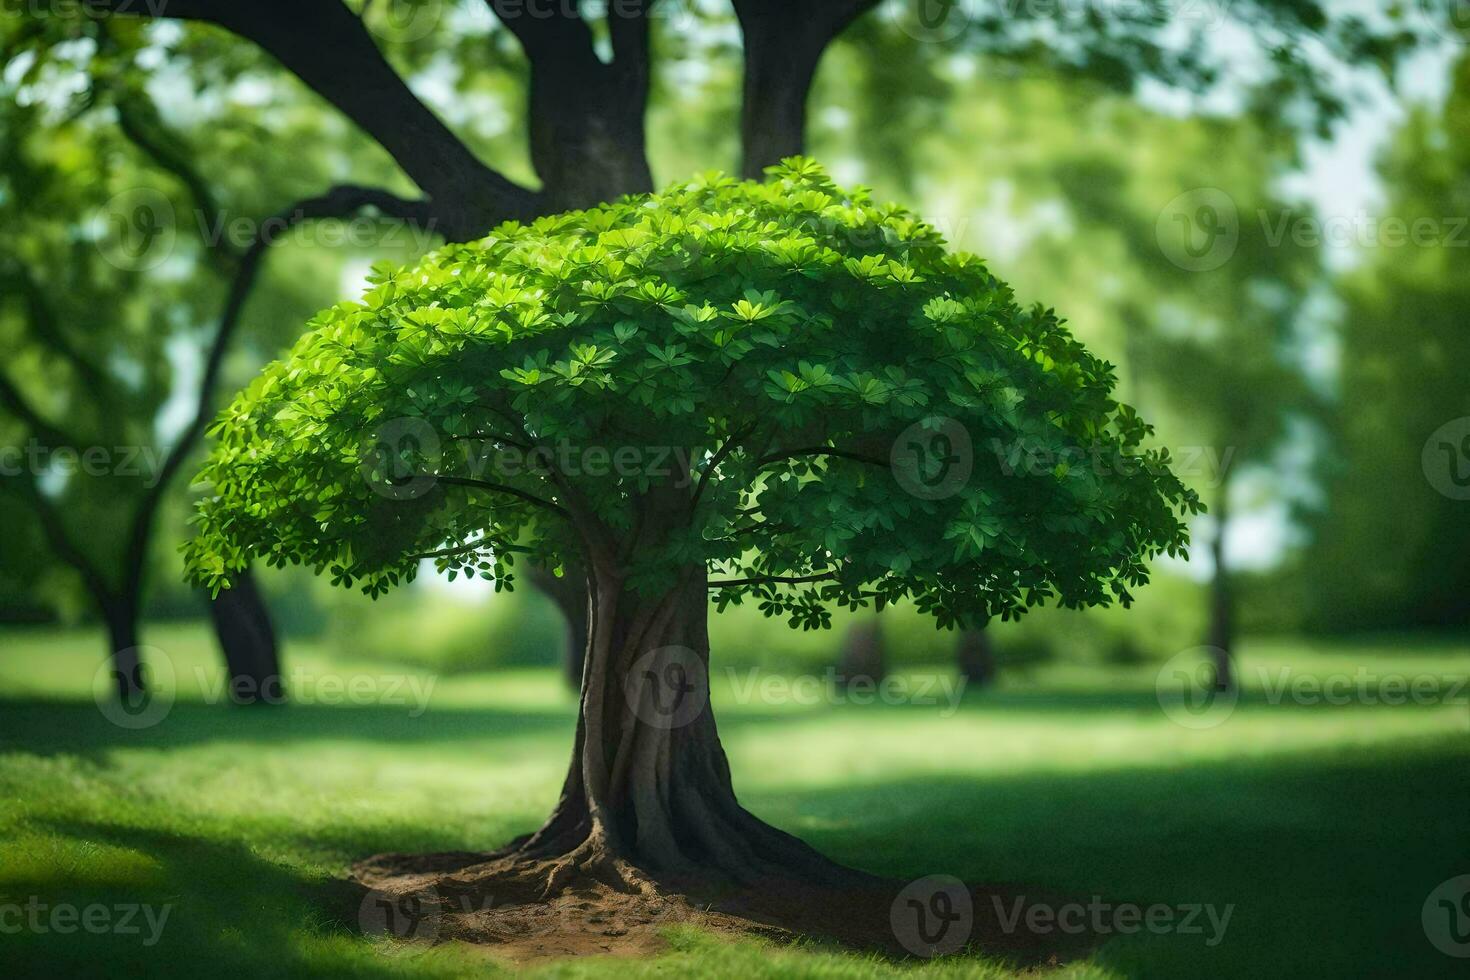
(45, 727)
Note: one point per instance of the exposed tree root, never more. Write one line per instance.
(592, 901)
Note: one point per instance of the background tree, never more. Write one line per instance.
(1388, 535)
(794, 343)
(86, 318)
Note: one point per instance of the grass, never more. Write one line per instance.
(1325, 826)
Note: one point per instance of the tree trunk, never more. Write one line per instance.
(975, 658)
(569, 592)
(863, 657)
(121, 617)
(247, 639)
(648, 789)
(783, 46)
(1221, 638)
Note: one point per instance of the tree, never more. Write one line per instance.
(1389, 540)
(751, 391)
(585, 111)
(92, 333)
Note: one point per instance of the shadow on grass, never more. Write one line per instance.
(1323, 858)
(49, 727)
(46, 727)
(219, 904)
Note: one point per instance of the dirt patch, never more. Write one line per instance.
(506, 907)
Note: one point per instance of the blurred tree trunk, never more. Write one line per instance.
(569, 593)
(783, 45)
(120, 613)
(247, 638)
(975, 658)
(1221, 637)
(862, 657)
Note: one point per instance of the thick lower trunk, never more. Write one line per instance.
(649, 786)
(121, 618)
(975, 658)
(247, 639)
(862, 659)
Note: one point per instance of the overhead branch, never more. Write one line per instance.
(470, 548)
(149, 137)
(325, 45)
(719, 457)
(783, 44)
(62, 544)
(45, 323)
(530, 498)
(42, 428)
(820, 451)
(339, 202)
(773, 580)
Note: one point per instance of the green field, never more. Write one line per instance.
(1325, 826)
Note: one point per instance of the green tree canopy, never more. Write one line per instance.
(821, 393)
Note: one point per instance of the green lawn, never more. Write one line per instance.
(1325, 826)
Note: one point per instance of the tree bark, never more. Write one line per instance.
(976, 658)
(648, 789)
(247, 639)
(783, 42)
(1221, 638)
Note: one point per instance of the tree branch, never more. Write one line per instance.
(530, 498)
(340, 201)
(324, 44)
(46, 325)
(821, 451)
(61, 542)
(773, 580)
(715, 460)
(141, 135)
(43, 429)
